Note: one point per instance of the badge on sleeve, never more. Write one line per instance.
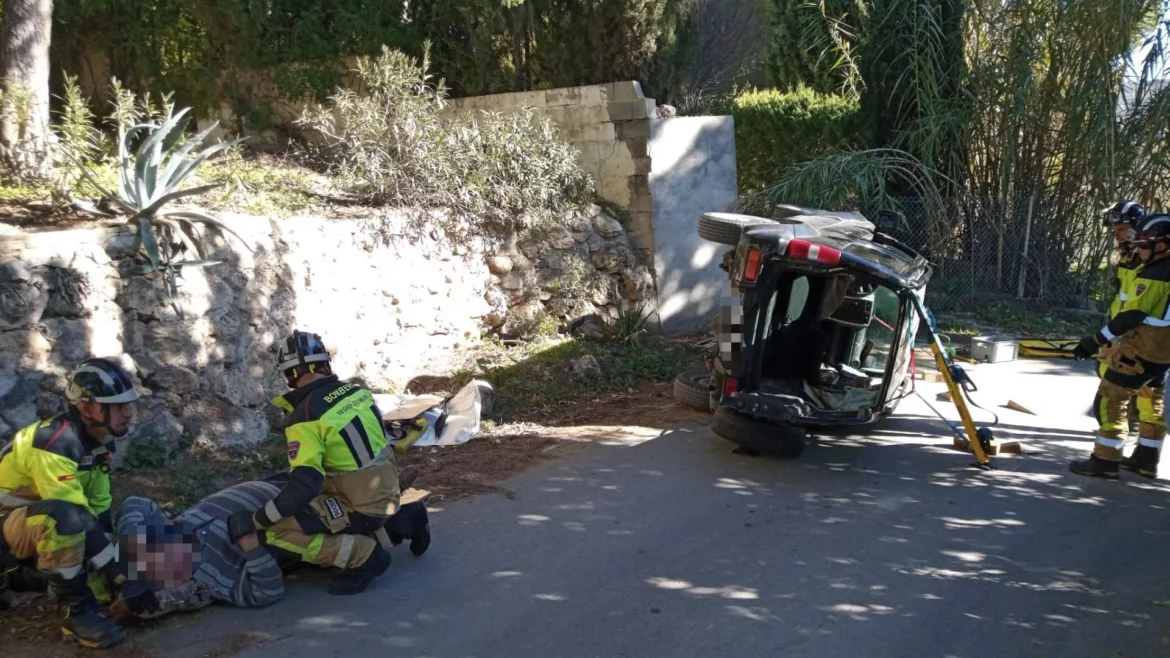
(1141, 287)
(294, 449)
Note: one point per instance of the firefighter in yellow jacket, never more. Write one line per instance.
(1141, 331)
(1123, 218)
(55, 499)
(342, 494)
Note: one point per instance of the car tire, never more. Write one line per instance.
(693, 388)
(786, 442)
(726, 230)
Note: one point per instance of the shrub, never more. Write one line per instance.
(774, 130)
(79, 141)
(629, 325)
(389, 144)
(23, 160)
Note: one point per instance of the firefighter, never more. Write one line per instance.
(55, 499)
(1122, 218)
(1140, 360)
(342, 488)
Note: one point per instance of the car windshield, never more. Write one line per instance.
(888, 258)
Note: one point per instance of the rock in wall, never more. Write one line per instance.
(390, 304)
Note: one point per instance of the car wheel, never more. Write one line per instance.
(786, 442)
(726, 229)
(693, 388)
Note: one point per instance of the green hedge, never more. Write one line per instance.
(774, 130)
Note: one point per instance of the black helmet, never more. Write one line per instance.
(1154, 228)
(100, 380)
(299, 353)
(1124, 212)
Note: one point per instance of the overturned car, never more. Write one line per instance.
(821, 331)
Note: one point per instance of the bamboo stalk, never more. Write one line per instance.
(1024, 255)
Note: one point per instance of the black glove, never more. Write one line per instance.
(241, 523)
(139, 598)
(1087, 348)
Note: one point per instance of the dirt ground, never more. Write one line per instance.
(557, 432)
(30, 630)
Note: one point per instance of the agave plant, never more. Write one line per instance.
(151, 177)
(629, 325)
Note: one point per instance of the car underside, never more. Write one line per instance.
(823, 333)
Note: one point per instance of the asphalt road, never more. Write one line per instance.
(886, 544)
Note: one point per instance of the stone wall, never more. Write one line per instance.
(391, 303)
(610, 126)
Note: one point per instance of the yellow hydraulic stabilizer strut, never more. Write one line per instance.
(973, 438)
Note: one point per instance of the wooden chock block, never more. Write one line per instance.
(1011, 448)
(1012, 404)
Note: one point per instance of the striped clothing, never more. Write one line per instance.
(245, 579)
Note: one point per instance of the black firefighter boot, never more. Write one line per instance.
(83, 618)
(420, 533)
(411, 522)
(1094, 466)
(26, 578)
(1143, 461)
(8, 566)
(355, 581)
(4, 571)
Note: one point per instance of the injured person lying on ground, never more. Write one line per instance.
(190, 562)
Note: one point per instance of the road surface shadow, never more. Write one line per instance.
(871, 546)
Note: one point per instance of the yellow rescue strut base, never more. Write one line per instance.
(1048, 348)
(944, 367)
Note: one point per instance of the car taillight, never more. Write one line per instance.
(814, 252)
(730, 385)
(751, 267)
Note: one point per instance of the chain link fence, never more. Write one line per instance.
(1020, 253)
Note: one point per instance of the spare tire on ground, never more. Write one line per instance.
(692, 388)
(784, 441)
(726, 228)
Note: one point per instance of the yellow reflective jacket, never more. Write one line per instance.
(1127, 274)
(1143, 325)
(56, 460)
(337, 445)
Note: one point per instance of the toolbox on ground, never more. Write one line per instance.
(994, 349)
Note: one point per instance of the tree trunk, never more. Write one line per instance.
(24, 72)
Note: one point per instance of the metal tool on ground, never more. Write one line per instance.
(409, 423)
(980, 441)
